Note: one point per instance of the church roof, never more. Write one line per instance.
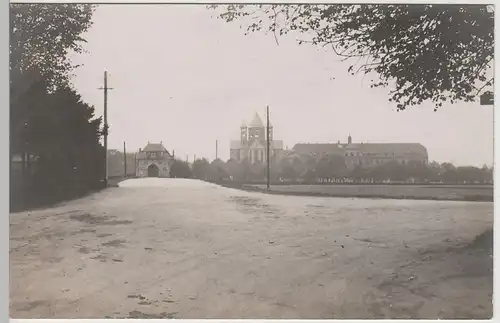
(256, 122)
(317, 148)
(398, 149)
(151, 147)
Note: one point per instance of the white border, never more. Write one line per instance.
(4, 20)
(4, 146)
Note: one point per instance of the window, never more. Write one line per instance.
(153, 155)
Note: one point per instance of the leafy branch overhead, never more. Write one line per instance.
(442, 53)
(42, 36)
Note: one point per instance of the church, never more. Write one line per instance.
(252, 145)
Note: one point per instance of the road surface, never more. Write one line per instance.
(164, 248)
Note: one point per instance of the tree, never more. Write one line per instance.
(331, 166)
(63, 132)
(180, 169)
(437, 52)
(232, 168)
(287, 171)
(201, 169)
(218, 169)
(42, 36)
(48, 118)
(258, 171)
(245, 173)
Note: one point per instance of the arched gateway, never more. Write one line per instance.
(153, 171)
(153, 161)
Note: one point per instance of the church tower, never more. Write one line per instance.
(243, 134)
(349, 139)
(256, 129)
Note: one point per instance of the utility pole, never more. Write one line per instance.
(124, 160)
(216, 149)
(106, 126)
(268, 151)
(135, 164)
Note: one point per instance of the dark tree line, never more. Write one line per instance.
(55, 133)
(333, 169)
(180, 169)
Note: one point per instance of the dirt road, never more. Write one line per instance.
(186, 249)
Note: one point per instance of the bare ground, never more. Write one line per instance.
(185, 249)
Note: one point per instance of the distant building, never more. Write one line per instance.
(153, 161)
(252, 145)
(366, 154)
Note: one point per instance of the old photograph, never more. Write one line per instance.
(244, 161)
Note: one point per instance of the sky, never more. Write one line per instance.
(182, 77)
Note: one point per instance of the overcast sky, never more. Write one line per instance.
(185, 78)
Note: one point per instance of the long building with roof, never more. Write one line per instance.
(252, 145)
(365, 154)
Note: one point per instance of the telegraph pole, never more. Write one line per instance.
(268, 151)
(135, 164)
(124, 160)
(216, 149)
(106, 126)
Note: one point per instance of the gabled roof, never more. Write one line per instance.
(151, 147)
(256, 122)
(318, 148)
(398, 149)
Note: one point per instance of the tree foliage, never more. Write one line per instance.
(438, 52)
(334, 167)
(180, 169)
(331, 166)
(48, 118)
(42, 36)
(62, 131)
(201, 168)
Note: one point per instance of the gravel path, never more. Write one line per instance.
(156, 248)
